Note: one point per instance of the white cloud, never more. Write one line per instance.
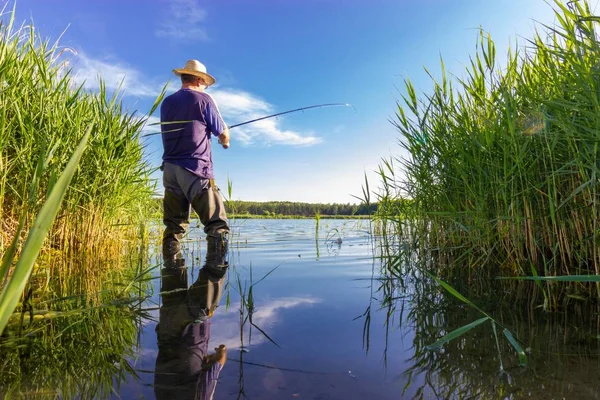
(226, 329)
(267, 315)
(239, 106)
(238, 103)
(116, 75)
(183, 21)
(236, 106)
(149, 127)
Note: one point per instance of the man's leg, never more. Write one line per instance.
(211, 210)
(206, 200)
(176, 219)
(176, 211)
(205, 294)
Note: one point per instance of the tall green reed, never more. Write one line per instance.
(43, 115)
(504, 163)
(10, 292)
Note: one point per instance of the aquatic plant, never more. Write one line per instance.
(69, 347)
(561, 347)
(10, 292)
(78, 354)
(44, 114)
(502, 177)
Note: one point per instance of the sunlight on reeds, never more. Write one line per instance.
(502, 174)
(43, 116)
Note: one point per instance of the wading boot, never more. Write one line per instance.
(171, 245)
(172, 259)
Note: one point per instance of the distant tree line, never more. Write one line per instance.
(271, 208)
(296, 209)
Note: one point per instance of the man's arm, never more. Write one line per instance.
(215, 122)
(224, 138)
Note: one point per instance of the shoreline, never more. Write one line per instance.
(252, 216)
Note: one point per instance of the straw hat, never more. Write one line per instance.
(195, 68)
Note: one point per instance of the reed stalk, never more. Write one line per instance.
(44, 115)
(502, 177)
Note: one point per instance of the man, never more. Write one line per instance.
(188, 119)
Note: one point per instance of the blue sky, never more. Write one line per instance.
(271, 56)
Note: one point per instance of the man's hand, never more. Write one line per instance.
(224, 138)
(219, 356)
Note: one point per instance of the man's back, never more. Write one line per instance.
(188, 143)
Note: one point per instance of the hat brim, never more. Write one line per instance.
(207, 77)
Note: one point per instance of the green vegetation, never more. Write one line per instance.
(503, 170)
(290, 209)
(14, 285)
(281, 216)
(301, 209)
(66, 349)
(43, 117)
(562, 348)
(73, 182)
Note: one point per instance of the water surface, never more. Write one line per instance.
(322, 330)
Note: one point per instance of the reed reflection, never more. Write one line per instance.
(184, 367)
(562, 349)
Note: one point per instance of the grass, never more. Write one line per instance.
(247, 306)
(502, 177)
(59, 351)
(246, 289)
(51, 344)
(14, 285)
(476, 359)
(498, 196)
(44, 116)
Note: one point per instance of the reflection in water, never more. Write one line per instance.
(184, 367)
(563, 349)
(78, 346)
(82, 355)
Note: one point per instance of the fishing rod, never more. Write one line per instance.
(268, 116)
(291, 111)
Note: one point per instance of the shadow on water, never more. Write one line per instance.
(562, 349)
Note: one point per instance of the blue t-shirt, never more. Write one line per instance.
(191, 118)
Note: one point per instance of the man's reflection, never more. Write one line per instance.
(184, 368)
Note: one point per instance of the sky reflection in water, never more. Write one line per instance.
(309, 307)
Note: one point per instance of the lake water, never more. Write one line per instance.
(321, 329)
(324, 323)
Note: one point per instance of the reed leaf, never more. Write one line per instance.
(517, 347)
(455, 334)
(9, 297)
(565, 278)
(456, 294)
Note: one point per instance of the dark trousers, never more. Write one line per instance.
(184, 189)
